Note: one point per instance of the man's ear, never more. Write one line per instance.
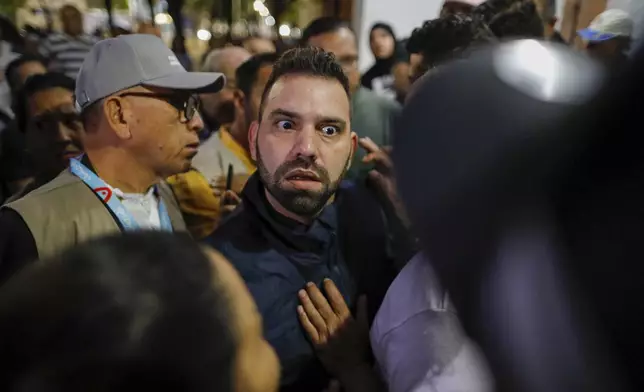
(239, 100)
(354, 148)
(115, 111)
(239, 96)
(252, 139)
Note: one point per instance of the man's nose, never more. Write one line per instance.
(65, 133)
(305, 142)
(196, 123)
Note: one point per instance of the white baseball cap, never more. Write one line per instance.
(116, 64)
(608, 25)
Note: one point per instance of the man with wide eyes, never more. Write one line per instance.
(307, 243)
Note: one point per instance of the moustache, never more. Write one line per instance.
(305, 164)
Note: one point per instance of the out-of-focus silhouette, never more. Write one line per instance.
(529, 206)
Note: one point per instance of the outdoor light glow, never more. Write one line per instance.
(258, 5)
(204, 35)
(264, 12)
(284, 30)
(162, 19)
(270, 21)
(296, 33)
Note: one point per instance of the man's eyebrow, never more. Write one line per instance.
(283, 112)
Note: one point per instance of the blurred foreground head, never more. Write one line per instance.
(451, 7)
(528, 204)
(144, 311)
(443, 39)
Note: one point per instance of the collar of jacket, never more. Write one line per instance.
(297, 236)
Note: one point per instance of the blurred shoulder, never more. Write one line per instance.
(368, 97)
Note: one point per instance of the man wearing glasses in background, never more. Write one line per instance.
(140, 118)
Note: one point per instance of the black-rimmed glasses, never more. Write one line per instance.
(188, 104)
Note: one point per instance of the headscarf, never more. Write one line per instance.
(382, 67)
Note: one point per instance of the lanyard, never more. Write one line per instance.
(103, 191)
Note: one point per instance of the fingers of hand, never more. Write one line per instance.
(321, 304)
(308, 325)
(368, 144)
(380, 159)
(230, 197)
(336, 300)
(227, 209)
(376, 157)
(321, 331)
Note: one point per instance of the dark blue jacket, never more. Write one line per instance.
(277, 257)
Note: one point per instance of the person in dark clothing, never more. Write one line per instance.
(300, 224)
(379, 77)
(16, 169)
(52, 126)
(440, 40)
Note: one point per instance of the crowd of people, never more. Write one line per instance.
(239, 228)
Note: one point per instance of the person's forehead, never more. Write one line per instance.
(51, 99)
(309, 97)
(31, 64)
(340, 42)
(260, 43)
(231, 60)
(380, 31)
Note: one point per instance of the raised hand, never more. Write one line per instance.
(383, 176)
(341, 341)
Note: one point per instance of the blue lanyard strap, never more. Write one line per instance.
(104, 191)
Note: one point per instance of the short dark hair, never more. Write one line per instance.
(11, 71)
(139, 311)
(323, 25)
(246, 74)
(521, 20)
(305, 61)
(489, 9)
(442, 39)
(512, 18)
(33, 85)
(46, 81)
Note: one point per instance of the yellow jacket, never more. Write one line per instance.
(199, 191)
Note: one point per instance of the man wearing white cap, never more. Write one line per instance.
(140, 114)
(608, 38)
(451, 7)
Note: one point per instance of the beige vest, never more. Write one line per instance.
(65, 212)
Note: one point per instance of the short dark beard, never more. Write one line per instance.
(304, 203)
